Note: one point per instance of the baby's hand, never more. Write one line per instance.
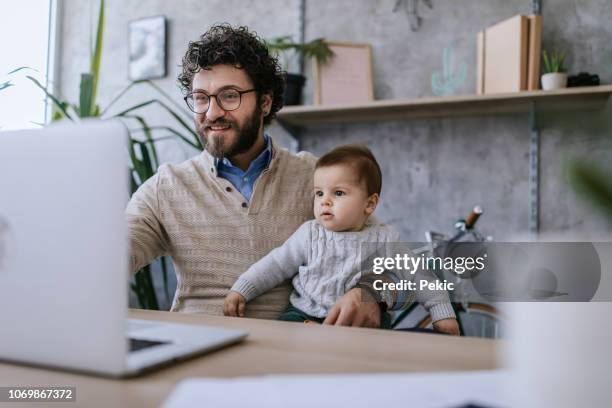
(234, 304)
(448, 326)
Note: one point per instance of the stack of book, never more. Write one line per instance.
(508, 56)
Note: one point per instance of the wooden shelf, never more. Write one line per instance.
(582, 98)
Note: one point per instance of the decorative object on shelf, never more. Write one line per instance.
(347, 79)
(554, 76)
(412, 10)
(582, 79)
(449, 80)
(147, 48)
(287, 50)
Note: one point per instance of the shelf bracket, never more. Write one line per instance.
(534, 174)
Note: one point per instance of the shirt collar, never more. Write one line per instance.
(262, 160)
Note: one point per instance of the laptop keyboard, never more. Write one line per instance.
(139, 344)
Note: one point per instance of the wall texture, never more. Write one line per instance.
(434, 170)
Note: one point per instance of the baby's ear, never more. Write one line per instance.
(371, 203)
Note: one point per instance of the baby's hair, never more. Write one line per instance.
(361, 159)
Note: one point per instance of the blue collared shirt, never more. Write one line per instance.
(244, 181)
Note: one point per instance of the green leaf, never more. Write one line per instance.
(96, 59)
(147, 164)
(61, 105)
(144, 168)
(547, 67)
(138, 106)
(165, 278)
(176, 116)
(21, 68)
(5, 85)
(116, 98)
(145, 290)
(86, 95)
(139, 289)
(148, 300)
(136, 163)
(593, 183)
(133, 184)
(171, 130)
(553, 61)
(181, 108)
(57, 116)
(187, 113)
(147, 131)
(317, 49)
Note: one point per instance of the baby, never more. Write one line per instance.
(322, 256)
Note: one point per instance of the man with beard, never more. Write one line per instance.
(221, 211)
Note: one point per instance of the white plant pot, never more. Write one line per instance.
(554, 80)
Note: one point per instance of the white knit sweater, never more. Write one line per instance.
(325, 265)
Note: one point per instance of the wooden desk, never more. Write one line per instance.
(272, 348)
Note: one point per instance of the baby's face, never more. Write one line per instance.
(341, 201)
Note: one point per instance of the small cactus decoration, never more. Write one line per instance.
(446, 83)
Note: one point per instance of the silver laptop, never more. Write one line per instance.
(64, 257)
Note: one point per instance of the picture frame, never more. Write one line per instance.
(147, 44)
(347, 77)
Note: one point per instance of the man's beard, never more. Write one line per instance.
(246, 136)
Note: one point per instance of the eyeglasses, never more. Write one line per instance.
(228, 100)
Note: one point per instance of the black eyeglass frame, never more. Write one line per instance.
(190, 94)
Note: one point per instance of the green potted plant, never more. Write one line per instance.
(287, 51)
(554, 76)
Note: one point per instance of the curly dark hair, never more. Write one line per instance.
(237, 46)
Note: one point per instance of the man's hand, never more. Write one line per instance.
(234, 305)
(448, 326)
(350, 310)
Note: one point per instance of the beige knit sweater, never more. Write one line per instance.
(212, 233)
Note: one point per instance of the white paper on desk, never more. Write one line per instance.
(435, 390)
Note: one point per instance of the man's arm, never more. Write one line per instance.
(147, 237)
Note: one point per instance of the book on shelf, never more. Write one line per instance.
(508, 56)
(480, 61)
(535, 51)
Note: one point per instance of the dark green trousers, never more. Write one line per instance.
(293, 314)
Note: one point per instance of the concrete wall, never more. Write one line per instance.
(434, 170)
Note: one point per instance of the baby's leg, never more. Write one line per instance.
(293, 314)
